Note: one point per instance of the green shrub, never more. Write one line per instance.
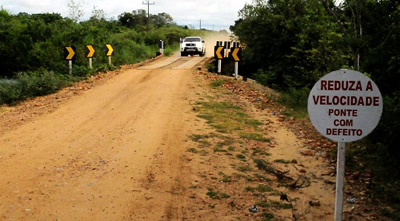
(31, 84)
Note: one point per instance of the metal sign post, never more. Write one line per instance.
(219, 54)
(90, 52)
(161, 46)
(69, 55)
(227, 46)
(70, 67)
(109, 52)
(236, 70)
(344, 106)
(236, 55)
(340, 165)
(90, 63)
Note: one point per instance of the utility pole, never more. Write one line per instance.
(200, 24)
(148, 3)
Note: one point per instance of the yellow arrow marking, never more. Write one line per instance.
(219, 52)
(91, 51)
(110, 50)
(234, 54)
(71, 53)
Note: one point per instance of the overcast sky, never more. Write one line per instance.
(215, 14)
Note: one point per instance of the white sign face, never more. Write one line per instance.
(345, 105)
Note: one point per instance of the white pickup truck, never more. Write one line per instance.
(193, 45)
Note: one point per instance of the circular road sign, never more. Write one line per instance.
(345, 105)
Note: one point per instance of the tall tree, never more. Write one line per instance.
(75, 9)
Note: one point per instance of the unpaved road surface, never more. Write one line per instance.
(124, 149)
(111, 153)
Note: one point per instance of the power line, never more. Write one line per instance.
(148, 3)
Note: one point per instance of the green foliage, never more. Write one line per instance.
(31, 84)
(289, 43)
(296, 101)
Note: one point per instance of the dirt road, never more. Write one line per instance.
(134, 148)
(111, 153)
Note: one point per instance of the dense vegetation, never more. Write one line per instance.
(290, 44)
(31, 47)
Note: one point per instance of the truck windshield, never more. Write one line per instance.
(192, 39)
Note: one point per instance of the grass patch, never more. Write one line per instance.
(262, 177)
(216, 195)
(264, 188)
(219, 149)
(282, 161)
(274, 204)
(249, 189)
(243, 168)
(226, 117)
(217, 83)
(248, 178)
(220, 145)
(230, 148)
(267, 216)
(260, 152)
(225, 178)
(203, 153)
(192, 150)
(204, 143)
(296, 101)
(264, 165)
(254, 136)
(199, 137)
(240, 157)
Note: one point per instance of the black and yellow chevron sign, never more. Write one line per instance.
(236, 54)
(219, 52)
(90, 51)
(109, 50)
(69, 53)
